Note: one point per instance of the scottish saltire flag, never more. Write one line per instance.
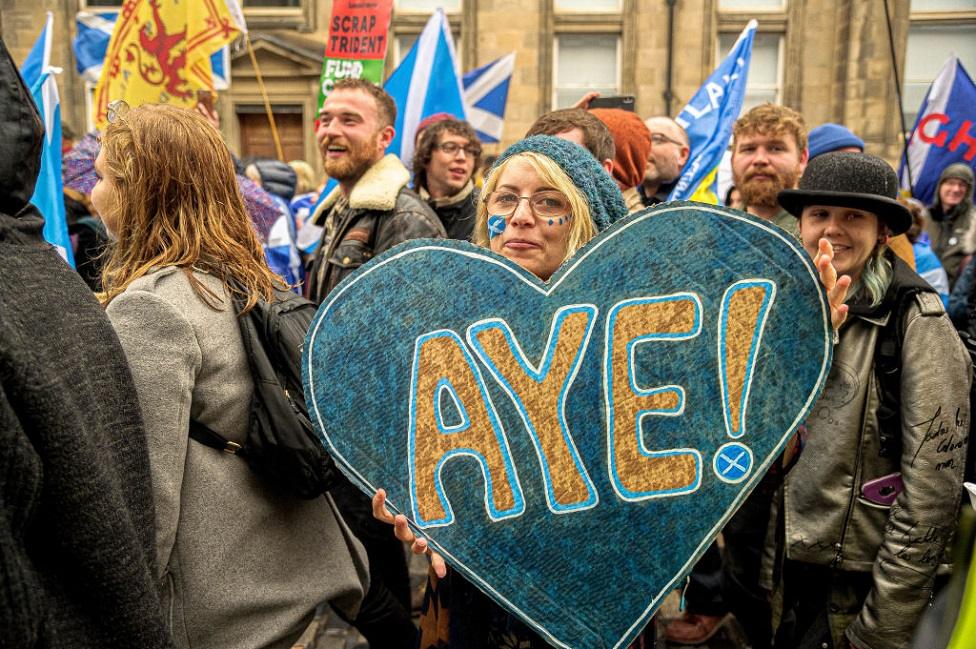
(943, 133)
(426, 82)
(486, 94)
(48, 195)
(708, 118)
(94, 31)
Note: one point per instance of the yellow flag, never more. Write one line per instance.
(703, 193)
(160, 52)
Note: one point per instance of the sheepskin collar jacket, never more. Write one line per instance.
(378, 213)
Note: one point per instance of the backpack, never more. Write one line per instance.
(887, 368)
(281, 445)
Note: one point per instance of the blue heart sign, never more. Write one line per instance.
(572, 446)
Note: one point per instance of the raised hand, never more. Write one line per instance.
(836, 287)
(401, 529)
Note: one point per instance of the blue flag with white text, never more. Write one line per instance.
(427, 81)
(943, 133)
(486, 94)
(708, 118)
(48, 195)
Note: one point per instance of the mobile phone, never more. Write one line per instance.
(883, 490)
(206, 98)
(625, 102)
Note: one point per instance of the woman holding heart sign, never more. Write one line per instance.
(544, 199)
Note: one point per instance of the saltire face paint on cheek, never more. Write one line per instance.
(561, 220)
(496, 225)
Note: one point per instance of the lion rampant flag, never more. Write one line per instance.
(160, 51)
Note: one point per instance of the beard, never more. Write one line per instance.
(358, 158)
(762, 192)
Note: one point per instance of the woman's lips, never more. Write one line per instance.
(521, 244)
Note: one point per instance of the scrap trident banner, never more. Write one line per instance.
(571, 447)
(357, 43)
(160, 52)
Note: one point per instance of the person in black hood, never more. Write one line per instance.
(76, 509)
(952, 227)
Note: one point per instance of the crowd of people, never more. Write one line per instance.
(120, 530)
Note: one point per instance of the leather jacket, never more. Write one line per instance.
(826, 518)
(379, 213)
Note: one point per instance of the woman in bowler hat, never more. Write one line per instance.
(863, 519)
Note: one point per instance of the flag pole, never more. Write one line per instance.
(901, 104)
(264, 95)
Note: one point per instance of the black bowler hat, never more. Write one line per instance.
(845, 179)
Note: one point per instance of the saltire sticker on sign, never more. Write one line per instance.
(573, 446)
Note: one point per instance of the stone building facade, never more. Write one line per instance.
(829, 59)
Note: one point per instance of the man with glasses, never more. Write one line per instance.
(447, 154)
(669, 154)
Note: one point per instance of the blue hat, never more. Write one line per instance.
(601, 192)
(830, 137)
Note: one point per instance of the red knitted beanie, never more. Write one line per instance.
(633, 143)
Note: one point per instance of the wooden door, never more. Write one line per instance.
(256, 140)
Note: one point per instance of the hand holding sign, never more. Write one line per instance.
(637, 396)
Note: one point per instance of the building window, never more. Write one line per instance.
(402, 43)
(761, 5)
(428, 5)
(585, 62)
(591, 6)
(938, 29)
(247, 4)
(765, 71)
(943, 5)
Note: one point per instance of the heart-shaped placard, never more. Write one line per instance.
(573, 446)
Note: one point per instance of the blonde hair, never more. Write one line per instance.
(552, 174)
(178, 204)
(305, 177)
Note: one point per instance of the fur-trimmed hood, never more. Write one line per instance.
(376, 190)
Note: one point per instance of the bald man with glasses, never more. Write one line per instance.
(669, 154)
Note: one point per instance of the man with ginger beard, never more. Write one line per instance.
(769, 154)
(372, 209)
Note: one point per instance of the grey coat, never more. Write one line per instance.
(240, 566)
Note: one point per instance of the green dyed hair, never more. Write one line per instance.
(875, 278)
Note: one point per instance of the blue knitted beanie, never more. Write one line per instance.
(602, 195)
(830, 137)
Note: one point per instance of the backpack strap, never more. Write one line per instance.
(207, 437)
(887, 365)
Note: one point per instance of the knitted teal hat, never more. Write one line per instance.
(602, 195)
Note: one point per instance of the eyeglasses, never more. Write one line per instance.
(548, 204)
(657, 139)
(451, 148)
